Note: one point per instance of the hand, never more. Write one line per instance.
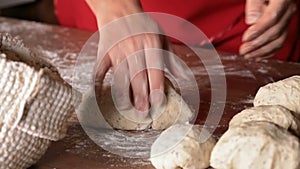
(130, 58)
(269, 22)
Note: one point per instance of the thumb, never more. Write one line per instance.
(254, 10)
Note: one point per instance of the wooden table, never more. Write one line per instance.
(61, 46)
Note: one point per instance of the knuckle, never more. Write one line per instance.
(274, 17)
(130, 45)
(151, 40)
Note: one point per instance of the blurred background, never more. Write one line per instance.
(35, 10)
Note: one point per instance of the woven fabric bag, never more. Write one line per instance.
(35, 105)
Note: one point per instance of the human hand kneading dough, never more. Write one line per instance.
(130, 56)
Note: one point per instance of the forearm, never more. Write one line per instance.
(109, 10)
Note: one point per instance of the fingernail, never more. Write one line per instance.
(248, 56)
(157, 98)
(258, 59)
(245, 37)
(158, 102)
(244, 50)
(249, 34)
(141, 104)
(252, 18)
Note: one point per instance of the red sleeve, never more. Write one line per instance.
(222, 22)
(75, 13)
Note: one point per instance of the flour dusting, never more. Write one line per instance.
(133, 144)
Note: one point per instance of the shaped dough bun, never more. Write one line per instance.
(278, 115)
(285, 93)
(256, 145)
(182, 146)
(174, 111)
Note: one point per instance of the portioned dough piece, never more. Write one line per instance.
(125, 120)
(90, 114)
(88, 111)
(285, 92)
(278, 115)
(174, 111)
(182, 146)
(256, 145)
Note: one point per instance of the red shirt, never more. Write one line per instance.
(222, 21)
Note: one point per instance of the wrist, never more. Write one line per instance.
(109, 10)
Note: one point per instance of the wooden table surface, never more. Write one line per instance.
(61, 46)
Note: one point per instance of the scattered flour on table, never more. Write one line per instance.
(232, 71)
(126, 144)
(76, 142)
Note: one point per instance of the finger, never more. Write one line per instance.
(176, 67)
(270, 35)
(254, 10)
(121, 86)
(100, 69)
(132, 48)
(272, 14)
(121, 79)
(116, 56)
(139, 81)
(259, 59)
(269, 48)
(137, 74)
(155, 68)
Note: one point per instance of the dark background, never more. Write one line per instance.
(38, 10)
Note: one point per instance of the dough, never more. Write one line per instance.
(103, 114)
(129, 120)
(175, 111)
(285, 92)
(182, 146)
(278, 115)
(256, 145)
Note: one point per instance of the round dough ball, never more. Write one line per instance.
(182, 146)
(256, 145)
(278, 115)
(285, 93)
(174, 111)
(125, 120)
